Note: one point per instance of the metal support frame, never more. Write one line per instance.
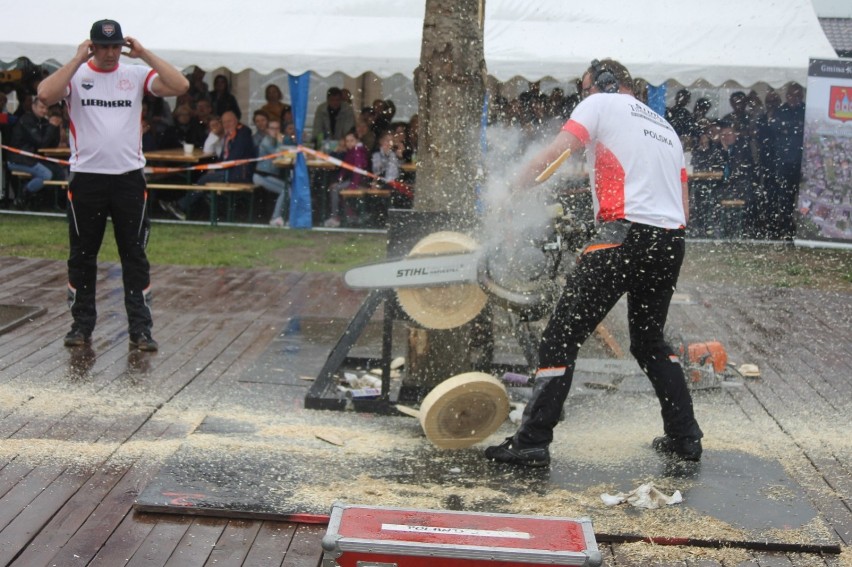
(405, 228)
(323, 393)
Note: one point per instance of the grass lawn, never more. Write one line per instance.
(194, 245)
(311, 251)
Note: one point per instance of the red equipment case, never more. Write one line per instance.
(371, 536)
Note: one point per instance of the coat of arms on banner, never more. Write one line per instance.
(840, 103)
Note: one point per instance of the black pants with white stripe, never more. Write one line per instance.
(645, 267)
(92, 197)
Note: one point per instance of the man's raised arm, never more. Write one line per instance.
(170, 81)
(52, 89)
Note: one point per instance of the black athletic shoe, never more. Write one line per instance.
(77, 338)
(144, 342)
(172, 209)
(687, 449)
(507, 452)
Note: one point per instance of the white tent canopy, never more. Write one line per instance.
(685, 40)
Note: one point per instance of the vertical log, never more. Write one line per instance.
(450, 85)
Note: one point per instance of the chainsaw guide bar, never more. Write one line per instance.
(420, 271)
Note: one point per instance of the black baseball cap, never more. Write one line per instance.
(106, 32)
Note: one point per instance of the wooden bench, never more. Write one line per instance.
(22, 176)
(219, 188)
(367, 193)
(227, 189)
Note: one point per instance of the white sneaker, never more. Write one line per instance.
(332, 222)
(277, 221)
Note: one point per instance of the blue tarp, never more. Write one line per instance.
(300, 193)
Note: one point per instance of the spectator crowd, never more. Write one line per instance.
(755, 150)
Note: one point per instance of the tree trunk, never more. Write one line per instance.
(450, 85)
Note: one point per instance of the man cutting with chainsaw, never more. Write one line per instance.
(641, 207)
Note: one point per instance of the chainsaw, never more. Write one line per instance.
(519, 273)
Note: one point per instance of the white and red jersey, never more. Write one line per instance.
(106, 117)
(636, 157)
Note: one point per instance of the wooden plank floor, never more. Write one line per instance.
(212, 325)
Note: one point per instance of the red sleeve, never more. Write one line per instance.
(574, 127)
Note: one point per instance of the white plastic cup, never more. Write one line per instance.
(188, 149)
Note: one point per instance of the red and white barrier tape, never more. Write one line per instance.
(399, 186)
(32, 155)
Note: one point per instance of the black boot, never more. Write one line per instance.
(528, 446)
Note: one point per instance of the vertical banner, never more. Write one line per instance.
(825, 194)
(300, 192)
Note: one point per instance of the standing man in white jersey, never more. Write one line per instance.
(104, 99)
(640, 200)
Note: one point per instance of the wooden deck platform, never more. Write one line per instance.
(71, 465)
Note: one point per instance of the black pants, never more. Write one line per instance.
(645, 267)
(91, 198)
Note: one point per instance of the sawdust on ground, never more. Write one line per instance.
(606, 430)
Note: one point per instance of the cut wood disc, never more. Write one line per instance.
(448, 306)
(464, 410)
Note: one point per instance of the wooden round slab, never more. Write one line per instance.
(448, 306)
(464, 410)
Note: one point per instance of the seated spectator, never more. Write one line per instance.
(707, 152)
(222, 99)
(158, 115)
(61, 112)
(289, 131)
(237, 145)
(150, 141)
(267, 175)
(33, 131)
(184, 130)
(385, 160)
(274, 107)
(287, 115)
(356, 154)
(261, 122)
(333, 118)
(25, 98)
(214, 143)
(399, 130)
(203, 111)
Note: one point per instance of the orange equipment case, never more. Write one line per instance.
(371, 536)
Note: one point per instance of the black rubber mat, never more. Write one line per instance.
(294, 463)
